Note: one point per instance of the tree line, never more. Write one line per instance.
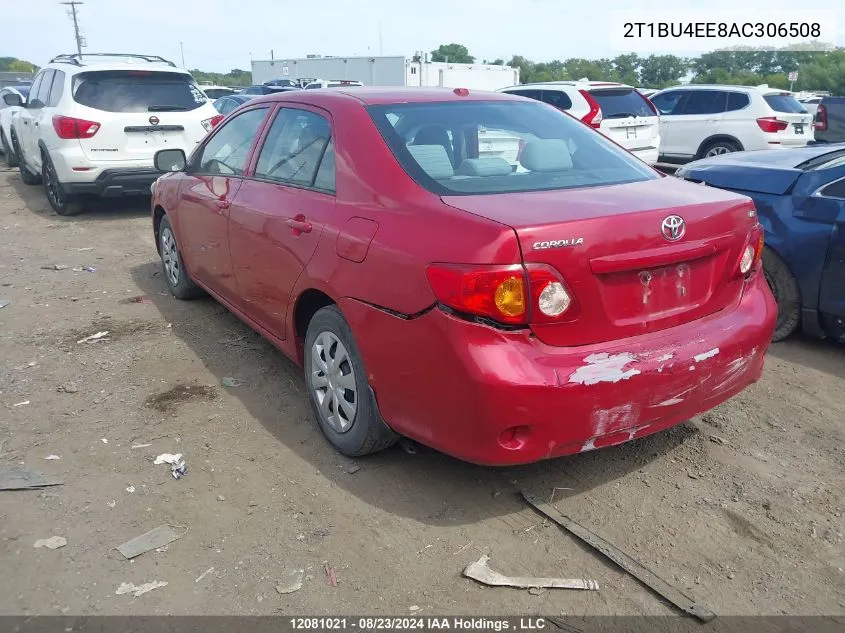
(817, 70)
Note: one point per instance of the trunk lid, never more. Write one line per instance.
(626, 277)
(140, 112)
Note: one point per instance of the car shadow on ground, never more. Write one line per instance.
(96, 209)
(428, 486)
(826, 355)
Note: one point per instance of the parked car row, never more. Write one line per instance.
(683, 123)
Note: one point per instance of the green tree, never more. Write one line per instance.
(20, 66)
(457, 53)
(627, 68)
(659, 71)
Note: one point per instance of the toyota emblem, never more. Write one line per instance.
(673, 228)
(153, 120)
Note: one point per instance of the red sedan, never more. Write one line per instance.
(478, 272)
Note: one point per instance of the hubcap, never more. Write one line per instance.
(719, 149)
(170, 256)
(333, 382)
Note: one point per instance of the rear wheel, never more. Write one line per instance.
(338, 390)
(62, 203)
(9, 152)
(786, 292)
(717, 148)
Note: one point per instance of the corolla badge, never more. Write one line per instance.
(572, 241)
(673, 227)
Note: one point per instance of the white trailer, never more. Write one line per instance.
(388, 71)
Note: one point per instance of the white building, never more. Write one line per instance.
(388, 71)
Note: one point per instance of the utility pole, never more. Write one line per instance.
(182, 48)
(72, 4)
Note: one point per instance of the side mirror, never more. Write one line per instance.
(170, 160)
(13, 99)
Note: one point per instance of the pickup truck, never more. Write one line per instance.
(830, 120)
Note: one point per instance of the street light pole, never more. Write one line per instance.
(72, 6)
(182, 48)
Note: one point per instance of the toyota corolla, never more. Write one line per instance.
(502, 307)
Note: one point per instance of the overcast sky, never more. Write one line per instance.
(219, 35)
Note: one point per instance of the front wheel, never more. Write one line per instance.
(9, 152)
(180, 284)
(27, 176)
(338, 390)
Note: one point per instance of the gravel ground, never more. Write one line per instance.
(738, 507)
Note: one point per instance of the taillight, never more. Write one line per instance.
(594, 116)
(752, 252)
(770, 124)
(512, 295)
(68, 127)
(821, 118)
(495, 292)
(210, 124)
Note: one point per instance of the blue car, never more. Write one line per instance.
(800, 199)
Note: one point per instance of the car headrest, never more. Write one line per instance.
(433, 159)
(550, 154)
(490, 166)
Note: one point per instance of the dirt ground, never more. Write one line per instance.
(739, 507)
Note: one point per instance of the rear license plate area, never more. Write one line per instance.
(799, 128)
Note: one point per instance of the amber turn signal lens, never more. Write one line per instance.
(510, 297)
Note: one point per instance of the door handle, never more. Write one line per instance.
(298, 224)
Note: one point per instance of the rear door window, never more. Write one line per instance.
(737, 101)
(785, 103)
(558, 99)
(137, 91)
(294, 147)
(620, 103)
(705, 102)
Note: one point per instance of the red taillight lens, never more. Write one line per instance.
(495, 292)
(69, 127)
(752, 252)
(210, 124)
(770, 124)
(821, 118)
(594, 116)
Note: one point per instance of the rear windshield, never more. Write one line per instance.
(485, 147)
(785, 103)
(620, 103)
(137, 91)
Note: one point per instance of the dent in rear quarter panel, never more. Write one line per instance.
(415, 227)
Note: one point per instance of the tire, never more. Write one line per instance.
(717, 148)
(10, 154)
(27, 176)
(180, 284)
(59, 199)
(354, 428)
(786, 292)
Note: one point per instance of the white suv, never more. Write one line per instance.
(92, 124)
(708, 120)
(616, 110)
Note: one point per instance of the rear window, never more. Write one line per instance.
(785, 103)
(137, 91)
(620, 103)
(486, 147)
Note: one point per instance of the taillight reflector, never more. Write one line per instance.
(69, 127)
(752, 252)
(210, 124)
(594, 116)
(495, 292)
(770, 124)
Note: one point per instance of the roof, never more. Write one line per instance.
(113, 61)
(789, 158)
(763, 88)
(587, 83)
(375, 95)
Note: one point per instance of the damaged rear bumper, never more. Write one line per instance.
(496, 398)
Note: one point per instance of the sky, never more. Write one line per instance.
(219, 35)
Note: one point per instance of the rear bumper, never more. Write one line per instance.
(496, 398)
(647, 155)
(114, 183)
